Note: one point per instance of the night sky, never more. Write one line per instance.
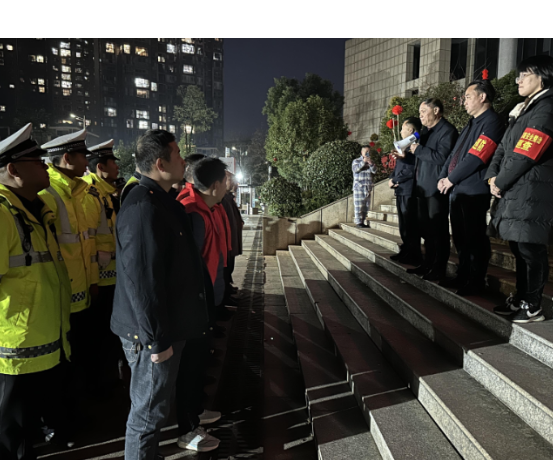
(252, 64)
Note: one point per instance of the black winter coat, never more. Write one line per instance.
(523, 165)
(160, 297)
(404, 175)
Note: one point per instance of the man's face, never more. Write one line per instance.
(175, 166)
(365, 151)
(428, 115)
(230, 181)
(32, 173)
(110, 170)
(221, 187)
(406, 130)
(474, 101)
(78, 163)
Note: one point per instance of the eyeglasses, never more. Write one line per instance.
(522, 76)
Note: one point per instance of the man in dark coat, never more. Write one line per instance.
(462, 178)
(402, 181)
(436, 143)
(158, 304)
(521, 179)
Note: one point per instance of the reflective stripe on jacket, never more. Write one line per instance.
(35, 290)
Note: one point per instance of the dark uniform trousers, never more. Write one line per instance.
(408, 225)
(532, 264)
(468, 224)
(434, 225)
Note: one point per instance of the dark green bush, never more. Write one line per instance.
(283, 198)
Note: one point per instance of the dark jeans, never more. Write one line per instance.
(408, 225)
(434, 225)
(150, 391)
(468, 226)
(532, 266)
(190, 384)
(23, 400)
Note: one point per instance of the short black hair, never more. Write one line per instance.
(415, 122)
(94, 162)
(484, 86)
(434, 102)
(152, 145)
(208, 170)
(366, 145)
(190, 161)
(541, 65)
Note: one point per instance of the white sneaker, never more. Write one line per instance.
(198, 440)
(209, 416)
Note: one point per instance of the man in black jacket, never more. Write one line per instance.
(435, 145)
(463, 178)
(160, 296)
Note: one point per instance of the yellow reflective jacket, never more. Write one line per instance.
(76, 232)
(105, 215)
(35, 291)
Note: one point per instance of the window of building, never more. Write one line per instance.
(79, 85)
(171, 68)
(32, 58)
(188, 49)
(41, 89)
(78, 70)
(154, 86)
(486, 55)
(77, 54)
(42, 126)
(65, 69)
(66, 92)
(142, 83)
(40, 59)
(163, 109)
(110, 112)
(66, 76)
(188, 69)
(172, 129)
(110, 48)
(65, 45)
(458, 63)
(141, 51)
(217, 56)
(143, 125)
(65, 53)
(41, 81)
(154, 126)
(127, 48)
(162, 118)
(142, 114)
(130, 123)
(142, 93)
(1, 46)
(161, 59)
(54, 51)
(9, 47)
(413, 61)
(12, 86)
(189, 40)
(162, 127)
(2, 108)
(66, 84)
(57, 83)
(171, 49)
(160, 39)
(217, 85)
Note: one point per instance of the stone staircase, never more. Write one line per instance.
(396, 367)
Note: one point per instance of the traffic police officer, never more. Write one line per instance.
(35, 294)
(463, 177)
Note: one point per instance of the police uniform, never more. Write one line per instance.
(35, 294)
(470, 197)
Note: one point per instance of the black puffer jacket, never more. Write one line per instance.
(523, 164)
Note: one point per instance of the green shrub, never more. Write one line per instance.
(283, 198)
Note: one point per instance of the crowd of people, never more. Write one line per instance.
(445, 177)
(94, 275)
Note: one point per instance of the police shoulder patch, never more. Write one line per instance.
(483, 148)
(532, 143)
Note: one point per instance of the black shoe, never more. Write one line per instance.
(410, 260)
(511, 305)
(231, 302)
(527, 313)
(434, 275)
(420, 271)
(360, 225)
(451, 282)
(471, 289)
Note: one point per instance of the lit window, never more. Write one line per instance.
(66, 92)
(9, 47)
(110, 49)
(142, 83)
(65, 69)
(41, 89)
(77, 54)
(12, 86)
(56, 69)
(57, 83)
(172, 129)
(154, 126)
(66, 76)
(217, 56)
(32, 58)
(141, 51)
(143, 125)
(2, 108)
(188, 48)
(40, 59)
(127, 48)
(54, 51)
(188, 69)
(66, 84)
(130, 123)
(42, 126)
(161, 59)
(41, 81)
(65, 45)
(154, 86)
(1, 46)
(162, 118)
(142, 93)
(171, 49)
(163, 109)
(142, 114)
(65, 53)
(162, 127)
(187, 40)
(110, 112)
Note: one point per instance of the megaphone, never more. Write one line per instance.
(406, 142)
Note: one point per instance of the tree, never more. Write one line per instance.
(255, 164)
(39, 118)
(193, 115)
(126, 163)
(282, 197)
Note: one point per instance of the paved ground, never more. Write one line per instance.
(258, 385)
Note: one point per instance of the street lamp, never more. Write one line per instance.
(80, 119)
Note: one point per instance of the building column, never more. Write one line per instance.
(507, 60)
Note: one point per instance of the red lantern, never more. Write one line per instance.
(397, 110)
(349, 133)
(390, 124)
(372, 144)
(485, 74)
(274, 159)
(379, 150)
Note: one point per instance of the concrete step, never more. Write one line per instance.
(388, 208)
(500, 281)
(337, 423)
(478, 425)
(402, 429)
(518, 380)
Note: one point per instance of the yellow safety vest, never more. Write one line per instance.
(100, 192)
(35, 290)
(76, 232)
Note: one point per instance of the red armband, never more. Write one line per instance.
(483, 148)
(533, 144)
